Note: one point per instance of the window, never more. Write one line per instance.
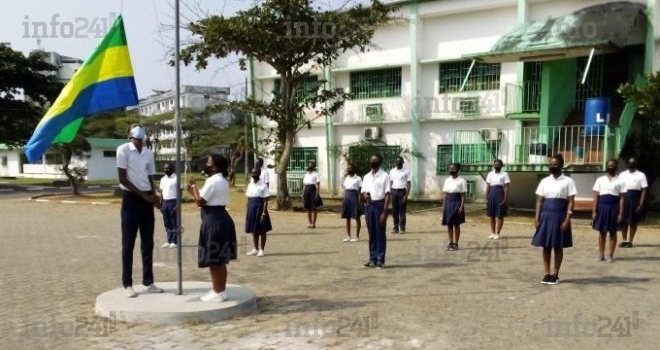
(444, 159)
(301, 157)
(307, 88)
(484, 76)
(376, 83)
(471, 190)
(593, 86)
(109, 154)
(3, 161)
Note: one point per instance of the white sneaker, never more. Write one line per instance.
(347, 239)
(355, 239)
(166, 245)
(153, 289)
(172, 245)
(252, 252)
(261, 253)
(130, 292)
(497, 237)
(213, 296)
(492, 236)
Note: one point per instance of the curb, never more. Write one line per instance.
(40, 198)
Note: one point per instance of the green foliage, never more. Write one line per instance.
(647, 99)
(31, 77)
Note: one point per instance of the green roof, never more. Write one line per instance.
(105, 143)
(605, 27)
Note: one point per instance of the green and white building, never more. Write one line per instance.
(472, 81)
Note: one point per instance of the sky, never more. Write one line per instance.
(149, 29)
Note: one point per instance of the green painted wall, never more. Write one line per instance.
(558, 87)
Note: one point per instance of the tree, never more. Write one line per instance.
(277, 32)
(67, 151)
(27, 86)
(647, 99)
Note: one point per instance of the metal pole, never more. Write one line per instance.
(245, 137)
(177, 111)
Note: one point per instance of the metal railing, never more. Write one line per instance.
(579, 145)
(294, 181)
(522, 97)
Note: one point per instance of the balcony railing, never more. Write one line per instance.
(522, 97)
(580, 145)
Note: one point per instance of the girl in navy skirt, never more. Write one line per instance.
(635, 197)
(257, 220)
(217, 234)
(607, 213)
(453, 214)
(312, 194)
(555, 198)
(351, 206)
(497, 196)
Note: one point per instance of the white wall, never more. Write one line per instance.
(101, 168)
(13, 167)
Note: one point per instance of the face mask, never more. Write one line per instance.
(208, 170)
(611, 171)
(497, 168)
(168, 172)
(453, 173)
(555, 170)
(374, 165)
(632, 166)
(255, 178)
(350, 172)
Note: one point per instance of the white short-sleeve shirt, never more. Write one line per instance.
(168, 187)
(258, 189)
(352, 182)
(139, 165)
(614, 186)
(561, 187)
(400, 177)
(264, 176)
(215, 190)
(634, 180)
(498, 179)
(376, 185)
(311, 178)
(455, 185)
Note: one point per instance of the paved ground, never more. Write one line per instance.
(56, 258)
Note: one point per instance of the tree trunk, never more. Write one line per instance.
(283, 199)
(66, 160)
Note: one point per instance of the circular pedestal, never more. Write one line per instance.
(170, 308)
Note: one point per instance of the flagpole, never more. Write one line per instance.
(177, 112)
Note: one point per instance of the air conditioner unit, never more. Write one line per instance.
(468, 106)
(373, 112)
(491, 134)
(372, 133)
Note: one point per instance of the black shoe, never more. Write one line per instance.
(623, 244)
(554, 279)
(380, 265)
(394, 231)
(629, 245)
(369, 264)
(450, 247)
(456, 246)
(546, 279)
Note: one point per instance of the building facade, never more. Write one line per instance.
(474, 81)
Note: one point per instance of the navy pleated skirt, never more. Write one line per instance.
(310, 199)
(495, 197)
(253, 222)
(217, 237)
(630, 215)
(549, 235)
(450, 215)
(607, 211)
(350, 208)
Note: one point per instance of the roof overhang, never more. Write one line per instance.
(547, 53)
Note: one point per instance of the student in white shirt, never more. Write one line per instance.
(312, 194)
(135, 167)
(376, 194)
(401, 179)
(635, 198)
(497, 196)
(352, 205)
(257, 220)
(453, 213)
(217, 233)
(265, 176)
(607, 212)
(555, 198)
(168, 204)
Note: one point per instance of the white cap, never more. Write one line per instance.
(137, 132)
